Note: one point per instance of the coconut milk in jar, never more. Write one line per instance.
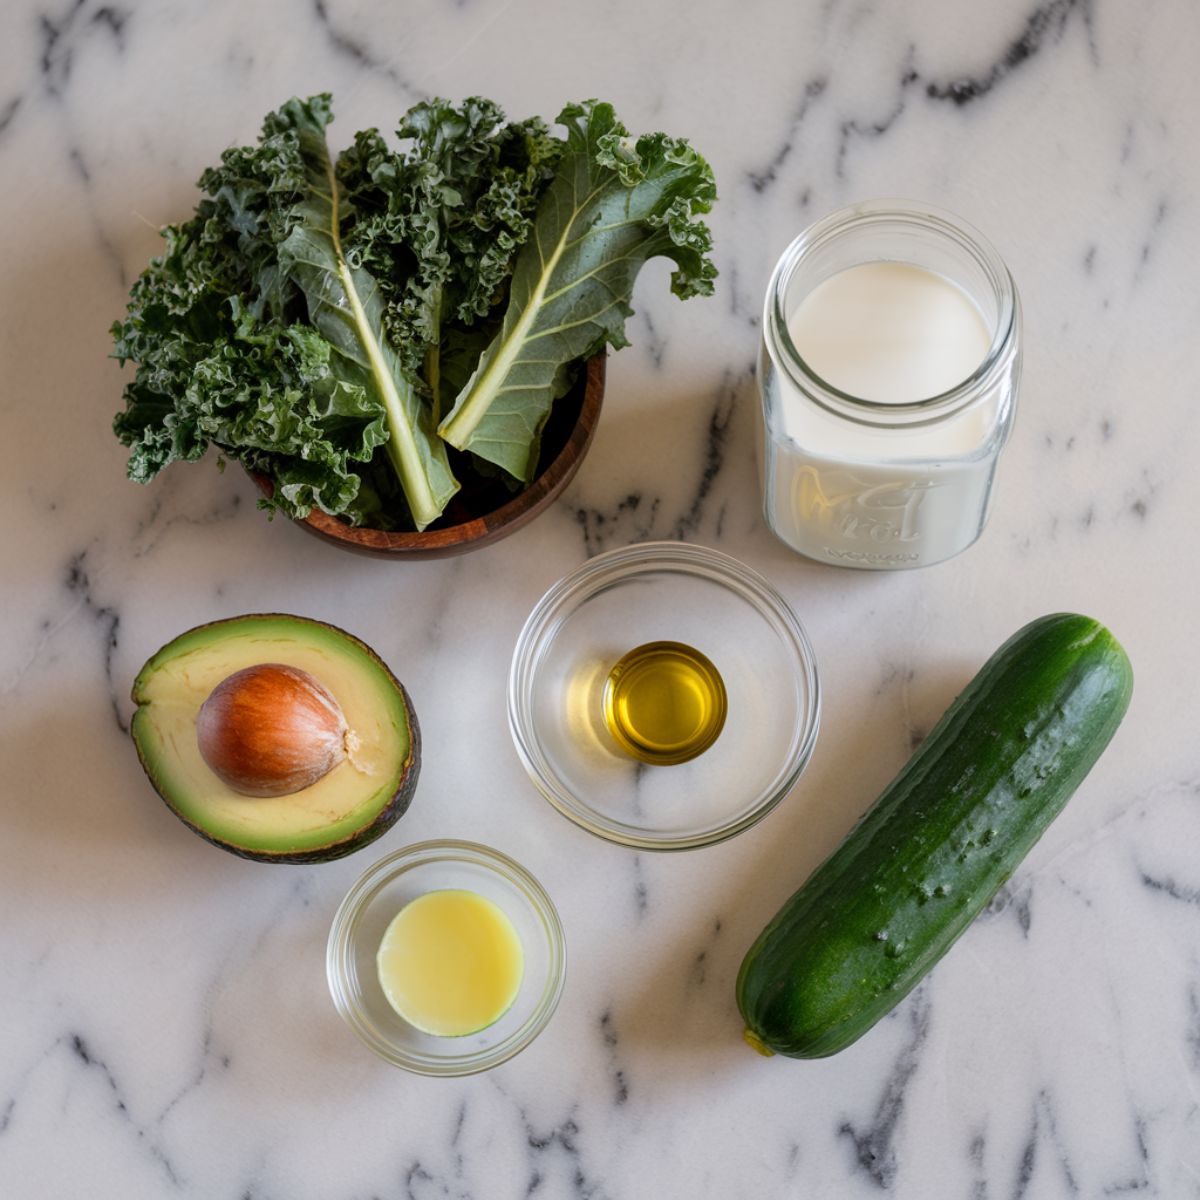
(888, 377)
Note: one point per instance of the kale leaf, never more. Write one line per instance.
(613, 204)
(346, 306)
(223, 352)
(444, 217)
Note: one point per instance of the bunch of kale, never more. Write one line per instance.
(324, 322)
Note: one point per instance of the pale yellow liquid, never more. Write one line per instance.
(451, 963)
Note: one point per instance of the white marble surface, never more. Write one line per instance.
(164, 1023)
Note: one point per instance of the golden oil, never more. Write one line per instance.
(664, 703)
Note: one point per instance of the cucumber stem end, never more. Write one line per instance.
(756, 1043)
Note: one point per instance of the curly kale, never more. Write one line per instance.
(444, 217)
(316, 319)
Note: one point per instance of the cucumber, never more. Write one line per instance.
(939, 842)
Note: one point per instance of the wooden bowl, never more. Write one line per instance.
(483, 512)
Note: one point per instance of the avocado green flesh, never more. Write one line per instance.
(173, 685)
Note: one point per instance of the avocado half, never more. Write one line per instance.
(356, 802)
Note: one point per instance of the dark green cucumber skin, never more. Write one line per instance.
(940, 841)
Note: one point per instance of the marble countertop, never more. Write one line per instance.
(165, 1027)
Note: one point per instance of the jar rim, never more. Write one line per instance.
(883, 414)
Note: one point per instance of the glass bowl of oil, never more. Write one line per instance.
(664, 696)
(364, 920)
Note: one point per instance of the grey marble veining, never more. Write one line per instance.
(164, 1024)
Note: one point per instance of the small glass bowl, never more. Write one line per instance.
(663, 591)
(380, 893)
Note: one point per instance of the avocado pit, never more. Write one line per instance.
(271, 730)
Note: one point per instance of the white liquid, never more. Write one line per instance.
(891, 333)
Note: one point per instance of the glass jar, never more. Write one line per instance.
(863, 483)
